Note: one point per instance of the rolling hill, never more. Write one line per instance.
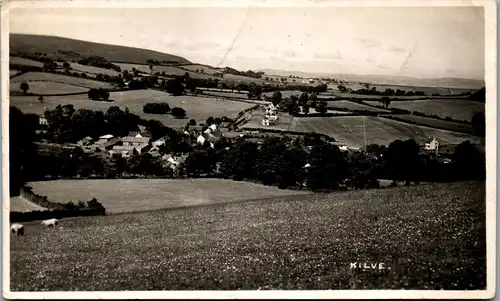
(387, 80)
(71, 49)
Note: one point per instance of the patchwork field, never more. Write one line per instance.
(129, 195)
(206, 70)
(436, 123)
(43, 88)
(458, 109)
(294, 242)
(90, 69)
(349, 130)
(22, 61)
(352, 106)
(58, 78)
(198, 108)
(20, 204)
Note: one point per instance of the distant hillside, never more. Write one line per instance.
(70, 49)
(388, 80)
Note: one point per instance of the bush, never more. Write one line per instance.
(156, 108)
(178, 112)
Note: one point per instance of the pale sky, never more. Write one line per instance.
(427, 42)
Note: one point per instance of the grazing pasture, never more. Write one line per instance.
(58, 78)
(349, 130)
(458, 109)
(20, 204)
(353, 106)
(198, 108)
(43, 88)
(25, 62)
(301, 242)
(435, 123)
(206, 70)
(90, 69)
(129, 195)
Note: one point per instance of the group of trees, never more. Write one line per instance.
(98, 94)
(373, 91)
(100, 62)
(293, 103)
(156, 108)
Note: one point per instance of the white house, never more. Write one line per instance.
(43, 120)
(432, 144)
(159, 142)
(105, 138)
(200, 139)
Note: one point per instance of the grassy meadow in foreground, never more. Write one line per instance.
(123, 195)
(428, 236)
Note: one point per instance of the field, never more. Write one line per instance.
(295, 242)
(20, 204)
(169, 70)
(436, 123)
(352, 106)
(206, 70)
(58, 78)
(160, 193)
(22, 61)
(349, 130)
(198, 108)
(42, 88)
(458, 109)
(90, 70)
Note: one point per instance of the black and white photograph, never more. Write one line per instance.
(248, 149)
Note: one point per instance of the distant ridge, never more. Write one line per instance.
(52, 45)
(448, 82)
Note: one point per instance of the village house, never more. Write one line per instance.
(134, 141)
(144, 134)
(159, 142)
(105, 138)
(432, 144)
(42, 120)
(154, 151)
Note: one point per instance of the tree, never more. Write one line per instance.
(239, 162)
(329, 167)
(209, 121)
(403, 162)
(24, 87)
(66, 66)
(175, 87)
(305, 109)
(40, 99)
(192, 122)
(321, 107)
(93, 94)
(478, 122)
(303, 99)
(178, 112)
(277, 97)
(341, 88)
(468, 162)
(200, 162)
(386, 101)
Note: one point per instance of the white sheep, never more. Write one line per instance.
(17, 229)
(50, 222)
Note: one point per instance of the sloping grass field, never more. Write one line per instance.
(42, 88)
(58, 78)
(198, 108)
(349, 130)
(153, 194)
(90, 69)
(436, 123)
(20, 204)
(456, 108)
(25, 62)
(427, 236)
(352, 106)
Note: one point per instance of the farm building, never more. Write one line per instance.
(112, 142)
(200, 139)
(123, 151)
(154, 151)
(160, 142)
(140, 134)
(105, 138)
(85, 141)
(135, 141)
(432, 144)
